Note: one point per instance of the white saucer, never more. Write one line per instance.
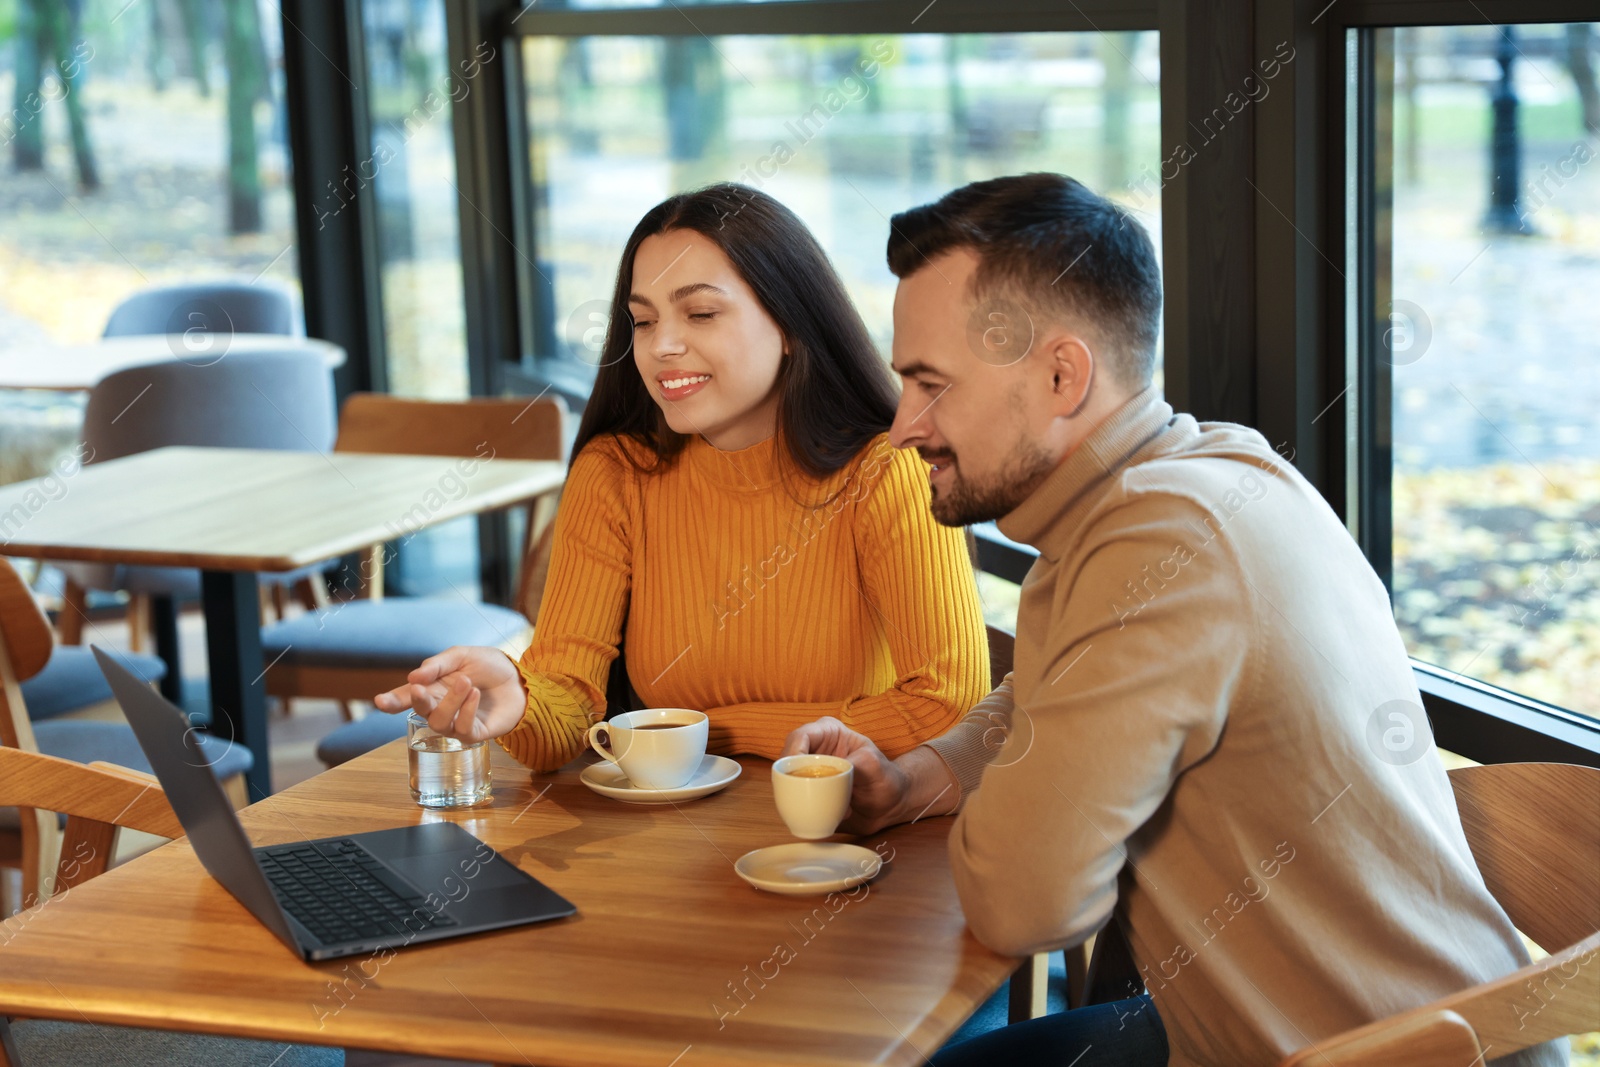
(608, 780)
(806, 868)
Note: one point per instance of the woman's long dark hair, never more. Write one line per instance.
(834, 391)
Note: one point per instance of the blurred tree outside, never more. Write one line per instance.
(47, 30)
(246, 82)
(697, 108)
(1115, 52)
(1580, 61)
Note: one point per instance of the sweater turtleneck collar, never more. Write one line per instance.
(754, 467)
(1044, 519)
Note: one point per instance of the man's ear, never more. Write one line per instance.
(1071, 365)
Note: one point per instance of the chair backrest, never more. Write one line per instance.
(513, 427)
(1534, 829)
(25, 647)
(96, 799)
(215, 307)
(24, 630)
(1002, 651)
(281, 400)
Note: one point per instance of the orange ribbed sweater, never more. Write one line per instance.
(734, 598)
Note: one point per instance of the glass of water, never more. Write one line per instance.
(445, 771)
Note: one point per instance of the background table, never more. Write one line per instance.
(671, 961)
(232, 512)
(75, 367)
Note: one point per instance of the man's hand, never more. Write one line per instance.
(467, 692)
(881, 789)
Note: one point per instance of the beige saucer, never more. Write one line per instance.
(607, 779)
(806, 868)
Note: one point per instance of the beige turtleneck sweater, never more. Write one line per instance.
(1194, 747)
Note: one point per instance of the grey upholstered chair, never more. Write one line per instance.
(72, 681)
(281, 400)
(216, 307)
(222, 307)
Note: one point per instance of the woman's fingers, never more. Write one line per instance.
(397, 699)
(432, 669)
(446, 697)
(447, 690)
(467, 726)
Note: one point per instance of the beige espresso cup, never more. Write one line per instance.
(812, 792)
(658, 748)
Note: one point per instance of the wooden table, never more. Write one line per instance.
(232, 512)
(671, 961)
(70, 368)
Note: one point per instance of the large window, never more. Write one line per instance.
(140, 145)
(1486, 256)
(411, 87)
(412, 161)
(844, 130)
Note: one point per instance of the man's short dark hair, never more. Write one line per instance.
(1048, 242)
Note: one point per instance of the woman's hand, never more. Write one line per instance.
(468, 692)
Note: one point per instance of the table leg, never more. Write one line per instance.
(164, 628)
(233, 647)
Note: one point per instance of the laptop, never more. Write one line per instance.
(335, 896)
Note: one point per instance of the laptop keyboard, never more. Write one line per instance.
(341, 893)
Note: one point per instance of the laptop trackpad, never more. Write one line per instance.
(443, 858)
(454, 874)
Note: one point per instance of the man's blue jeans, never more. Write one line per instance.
(1127, 1033)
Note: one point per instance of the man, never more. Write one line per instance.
(1211, 736)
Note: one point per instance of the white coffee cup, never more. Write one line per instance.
(658, 748)
(812, 793)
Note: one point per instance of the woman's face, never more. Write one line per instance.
(707, 350)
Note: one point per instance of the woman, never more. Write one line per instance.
(735, 515)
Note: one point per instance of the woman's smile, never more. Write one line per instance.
(676, 385)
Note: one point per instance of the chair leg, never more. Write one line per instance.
(1112, 975)
(1077, 959)
(237, 792)
(138, 621)
(41, 851)
(280, 600)
(9, 902)
(312, 592)
(74, 610)
(9, 1056)
(347, 708)
(1030, 988)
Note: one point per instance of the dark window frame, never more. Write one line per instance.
(1480, 721)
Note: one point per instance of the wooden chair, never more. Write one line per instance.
(30, 838)
(357, 648)
(1534, 829)
(98, 799)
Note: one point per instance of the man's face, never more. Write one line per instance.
(977, 401)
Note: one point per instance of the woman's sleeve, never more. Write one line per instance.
(566, 667)
(917, 580)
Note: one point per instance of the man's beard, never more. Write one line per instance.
(964, 502)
